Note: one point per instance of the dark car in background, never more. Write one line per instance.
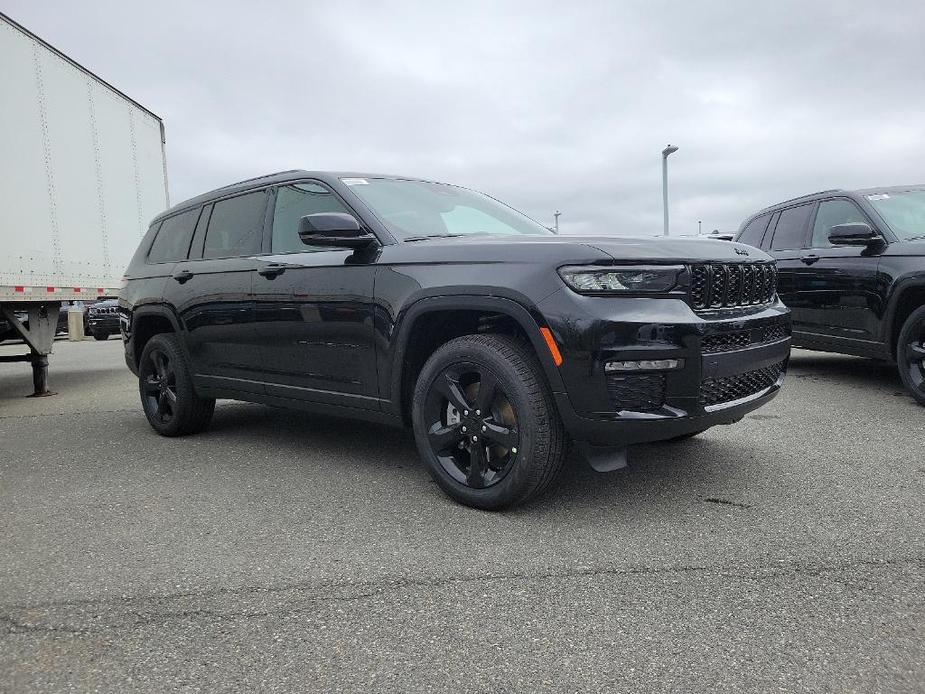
(851, 265)
(101, 318)
(432, 306)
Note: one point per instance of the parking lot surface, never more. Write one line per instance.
(282, 551)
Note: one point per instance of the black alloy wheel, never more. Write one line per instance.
(159, 386)
(472, 427)
(165, 385)
(485, 422)
(910, 354)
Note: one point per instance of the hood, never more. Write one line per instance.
(604, 248)
(907, 248)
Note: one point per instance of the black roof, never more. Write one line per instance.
(269, 180)
(834, 191)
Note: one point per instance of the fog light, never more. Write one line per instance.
(645, 365)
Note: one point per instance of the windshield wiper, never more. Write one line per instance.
(433, 236)
(915, 238)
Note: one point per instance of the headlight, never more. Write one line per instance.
(621, 279)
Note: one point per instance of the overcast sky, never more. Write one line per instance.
(560, 105)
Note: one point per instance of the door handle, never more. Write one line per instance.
(182, 276)
(810, 259)
(272, 270)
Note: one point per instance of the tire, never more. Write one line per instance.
(165, 386)
(100, 336)
(910, 354)
(520, 440)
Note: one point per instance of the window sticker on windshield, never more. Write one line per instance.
(355, 181)
(878, 196)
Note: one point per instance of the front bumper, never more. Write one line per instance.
(108, 323)
(734, 361)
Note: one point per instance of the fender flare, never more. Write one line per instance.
(901, 287)
(530, 321)
(154, 310)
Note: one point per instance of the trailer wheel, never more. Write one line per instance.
(166, 387)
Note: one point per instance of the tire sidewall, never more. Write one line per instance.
(516, 483)
(914, 322)
(169, 345)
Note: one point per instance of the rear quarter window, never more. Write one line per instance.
(173, 238)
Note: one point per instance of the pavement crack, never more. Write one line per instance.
(726, 502)
(88, 616)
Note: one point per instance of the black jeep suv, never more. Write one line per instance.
(102, 319)
(852, 270)
(432, 306)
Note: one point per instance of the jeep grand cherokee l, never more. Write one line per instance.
(852, 270)
(432, 306)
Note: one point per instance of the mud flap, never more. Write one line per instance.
(603, 458)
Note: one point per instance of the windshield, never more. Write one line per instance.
(903, 211)
(419, 209)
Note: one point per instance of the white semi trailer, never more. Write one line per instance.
(82, 171)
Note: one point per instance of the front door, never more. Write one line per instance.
(838, 295)
(315, 308)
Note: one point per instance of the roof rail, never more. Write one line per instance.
(809, 195)
(255, 179)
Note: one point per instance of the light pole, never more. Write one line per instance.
(699, 227)
(556, 215)
(670, 149)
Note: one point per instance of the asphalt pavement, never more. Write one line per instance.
(281, 551)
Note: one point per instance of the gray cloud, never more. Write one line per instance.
(545, 105)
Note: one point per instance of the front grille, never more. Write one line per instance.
(730, 285)
(739, 339)
(637, 392)
(714, 391)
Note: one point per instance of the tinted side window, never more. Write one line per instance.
(754, 230)
(831, 213)
(294, 202)
(173, 238)
(791, 228)
(236, 226)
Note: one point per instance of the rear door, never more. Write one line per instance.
(315, 307)
(213, 293)
(785, 240)
(839, 298)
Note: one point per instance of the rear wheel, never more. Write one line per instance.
(100, 336)
(485, 422)
(166, 388)
(910, 354)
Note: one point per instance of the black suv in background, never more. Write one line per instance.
(852, 271)
(101, 319)
(429, 305)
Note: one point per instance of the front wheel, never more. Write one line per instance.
(910, 354)
(485, 422)
(100, 336)
(166, 388)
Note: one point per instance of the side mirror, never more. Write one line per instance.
(337, 229)
(853, 234)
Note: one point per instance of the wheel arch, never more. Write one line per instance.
(148, 321)
(504, 312)
(906, 299)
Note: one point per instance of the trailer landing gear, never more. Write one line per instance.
(40, 336)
